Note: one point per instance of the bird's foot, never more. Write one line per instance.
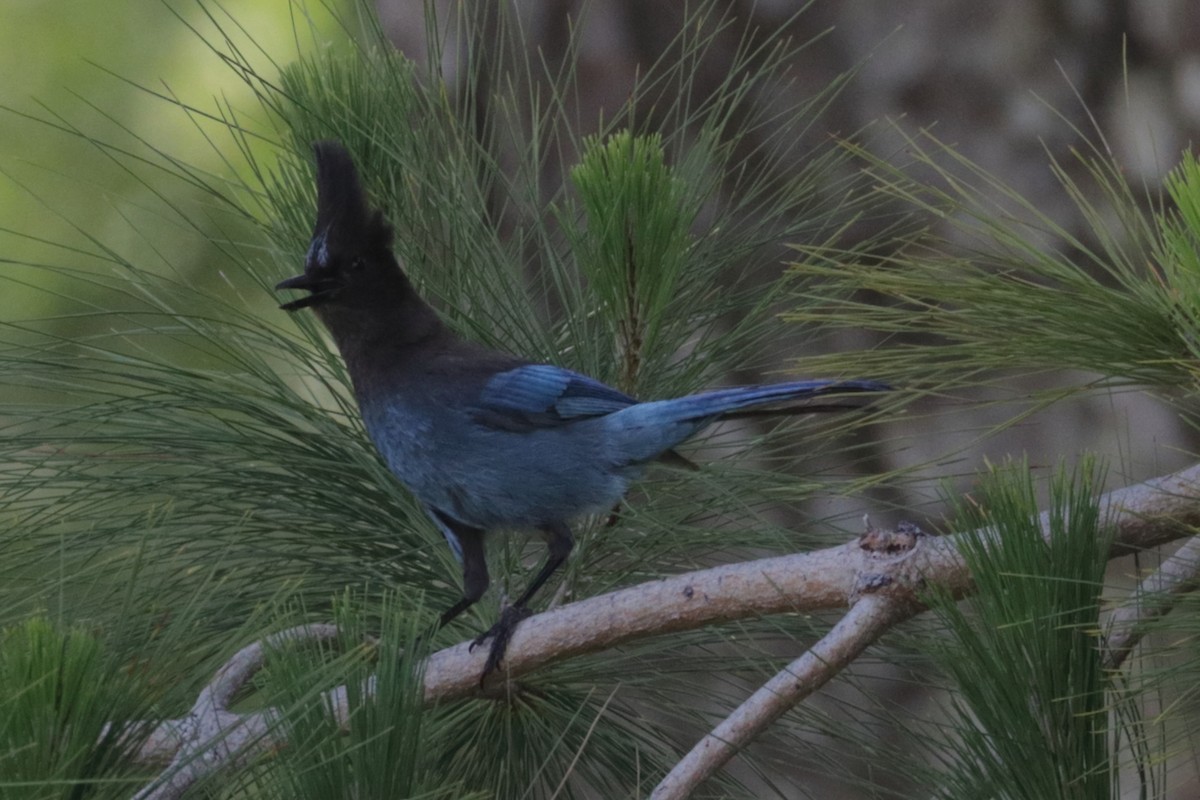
(500, 633)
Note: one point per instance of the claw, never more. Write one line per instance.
(499, 633)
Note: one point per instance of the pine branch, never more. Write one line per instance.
(1154, 597)
(211, 737)
(878, 574)
(868, 619)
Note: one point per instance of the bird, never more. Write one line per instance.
(486, 440)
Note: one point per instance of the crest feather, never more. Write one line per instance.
(344, 218)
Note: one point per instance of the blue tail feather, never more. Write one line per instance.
(645, 430)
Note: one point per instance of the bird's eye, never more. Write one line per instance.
(357, 264)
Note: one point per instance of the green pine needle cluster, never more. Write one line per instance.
(639, 215)
(997, 287)
(1035, 611)
(60, 689)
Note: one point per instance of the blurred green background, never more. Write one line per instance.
(103, 71)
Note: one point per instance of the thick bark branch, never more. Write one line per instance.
(1144, 515)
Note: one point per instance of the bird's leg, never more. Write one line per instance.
(559, 544)
(475, 571)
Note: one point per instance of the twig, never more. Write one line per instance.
(881, 603)
(1154, 597)
(210, 738)
(867, 620)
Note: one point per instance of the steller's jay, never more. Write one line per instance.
(484, 439)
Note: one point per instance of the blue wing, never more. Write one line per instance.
(541, 396)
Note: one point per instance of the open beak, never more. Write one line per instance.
(320, 290)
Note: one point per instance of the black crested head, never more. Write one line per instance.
(349, 260)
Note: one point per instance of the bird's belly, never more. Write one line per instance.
(500, 479)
